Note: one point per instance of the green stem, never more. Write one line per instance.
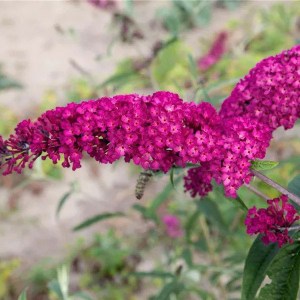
(277, 186)
(256, 191)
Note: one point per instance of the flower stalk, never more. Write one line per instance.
(277, 186)
(256, 191)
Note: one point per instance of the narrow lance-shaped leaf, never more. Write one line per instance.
(172, 177)
(190, 224)
(211, 211)
(141, 209)
(161, 198)
(62, 201)
(155, 274)
(173, 287)
(81, 295)
(65, 197)
(55, 288)
(257, 262)
(23, 296)
(218, 85)
(95, 219)
(117, 79)
(240, 203)
(193, 67)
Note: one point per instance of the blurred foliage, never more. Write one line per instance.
(65, 197)
(22, 296)
(129, 76)
(50, 170)
(102, 268)
(266, 33)
(8, 119)
(182, 15)
(95, 219)
(59, 287)
(80, 89)
(8, 83)
(170, 69)
(45, 170)
(109, 252)
(40, 275)
(185, 14)
(48, 101)
(7, 269)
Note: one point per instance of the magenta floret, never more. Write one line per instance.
(272, 222)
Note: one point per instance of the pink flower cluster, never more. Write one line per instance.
(155, 132)
(269, 93)
(160, 131)
(173, 226)
(267, 98)
(272, 222)
(198, 180)
(243, 140)
(215, 53)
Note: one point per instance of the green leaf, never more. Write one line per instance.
(231, 4)
(172, 177)
(126, 77)
(170, 21)
(23, 296)
(204, 295)
(190, 224)
(261, 165)
(240, 203)
(7, 83)
(129, 6)
(63, 281)
(81, 295)
(187, 255)
(117, 79)
(156, 274)
(170, 69)
(294, 185)
(95, 219)
(54, 287)
(161, 198)
(65, 197)
(257, 262)
(142, 209)
(221, 84)
(211, 211)
(203, 92)
(173, 287)
(62, 201)
(193, 67)
(284, 273)
(203, 12)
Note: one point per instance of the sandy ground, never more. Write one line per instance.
(34, 50)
